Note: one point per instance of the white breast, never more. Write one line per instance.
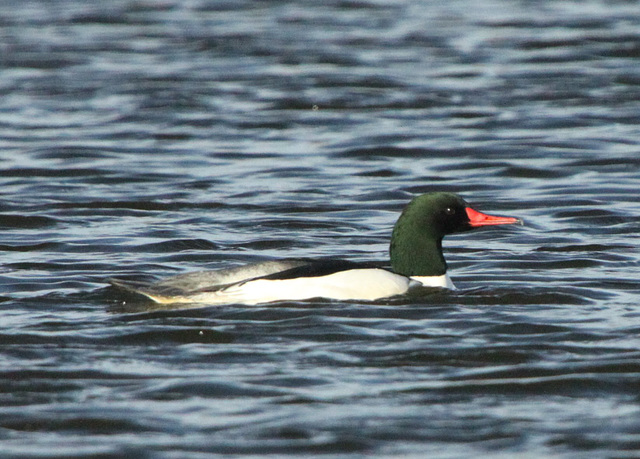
(443, 281)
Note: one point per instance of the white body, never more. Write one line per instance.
(353, 284)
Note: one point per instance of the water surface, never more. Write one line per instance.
(145, 139)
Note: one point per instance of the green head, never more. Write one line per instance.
(416, 242)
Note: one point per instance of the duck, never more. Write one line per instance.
(416, 260)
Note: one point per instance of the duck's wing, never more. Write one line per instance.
(319, 268)
(185, 285)
(220, 278)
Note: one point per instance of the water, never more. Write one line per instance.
(145, 139)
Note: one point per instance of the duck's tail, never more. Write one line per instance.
(146, 289)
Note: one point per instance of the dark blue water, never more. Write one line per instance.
(143, 138)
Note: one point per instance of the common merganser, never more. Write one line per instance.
(416, 260)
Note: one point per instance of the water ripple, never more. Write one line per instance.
(143, 139)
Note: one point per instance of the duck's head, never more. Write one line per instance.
(416, 242)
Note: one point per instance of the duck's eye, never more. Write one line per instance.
(449, 211)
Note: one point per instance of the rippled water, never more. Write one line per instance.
(143, 138)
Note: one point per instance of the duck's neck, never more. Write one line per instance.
(416, 252)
